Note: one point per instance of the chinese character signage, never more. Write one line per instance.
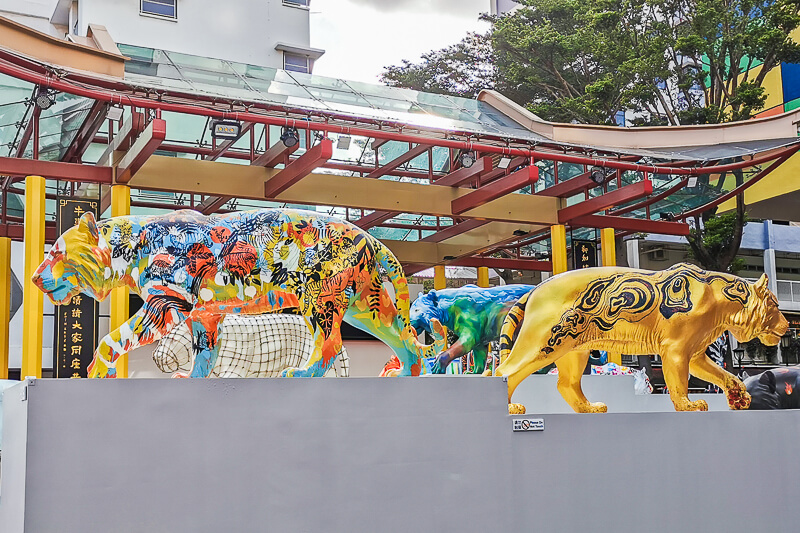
(584, 254)
(76, 322)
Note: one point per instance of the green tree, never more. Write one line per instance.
(715, 239)
(673, 61)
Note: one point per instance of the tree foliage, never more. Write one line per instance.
(715, 239)
(669, 61)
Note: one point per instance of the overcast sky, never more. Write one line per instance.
(360, 37)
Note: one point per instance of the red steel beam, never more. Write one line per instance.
(572, 186)
(275, 155)
(376, 218)
(227, 143)
(16, 232)
(399, 160)
(455, 229)
(57, 170)
(377, 143)
(141, 150)
(513, 182)
(464, 174)
(299, 168)
(127, 134)
(610, 199)
(631, 224)
(499, 172)
(212, 204)
(501, 262)
(26, 135)
(85, 136)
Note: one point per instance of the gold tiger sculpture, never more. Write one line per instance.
(675, 313)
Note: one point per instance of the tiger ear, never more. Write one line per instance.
(432, 296)
(87, 225)
(762, 283)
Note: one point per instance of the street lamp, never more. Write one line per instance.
(738, 355)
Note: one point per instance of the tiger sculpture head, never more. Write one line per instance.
(760, 317)
(77, 263)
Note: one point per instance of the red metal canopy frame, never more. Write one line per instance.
(147, 133)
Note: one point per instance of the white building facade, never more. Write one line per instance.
(269, 33)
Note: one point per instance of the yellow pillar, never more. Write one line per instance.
(32, 297)
(558, 242)
(608, 247)
(5, 303)
(120, 206)
(483, 276)
(609, 253)
(439, 278)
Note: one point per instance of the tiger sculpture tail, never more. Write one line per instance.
(510, 326)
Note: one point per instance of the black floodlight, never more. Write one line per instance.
(467, 159)
(666, 215)
(519, 232)
(598, 175)
(43, 99)
(449, 257)
(226, 129)
(290, 137)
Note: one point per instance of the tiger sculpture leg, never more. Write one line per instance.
(706, 369)
(675, 366)
(570, 371)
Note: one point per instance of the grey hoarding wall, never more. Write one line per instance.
(368, 454)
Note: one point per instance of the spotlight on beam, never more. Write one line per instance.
(43, 99)
(467, 159)
(598, 175)
(666, 215)
(519, 233)
(226, 129)
(449, 257)
(290, 137)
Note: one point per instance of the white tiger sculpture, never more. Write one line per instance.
(252, 346)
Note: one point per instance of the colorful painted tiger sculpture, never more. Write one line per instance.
(675, 313)
(474, 314)
(195, 268)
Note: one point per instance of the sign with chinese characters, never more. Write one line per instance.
(584, 253)
(528, 424)
(76, 322)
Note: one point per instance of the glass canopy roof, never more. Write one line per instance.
(159, 69)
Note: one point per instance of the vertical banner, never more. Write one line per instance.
(584, 253)
(76, 322)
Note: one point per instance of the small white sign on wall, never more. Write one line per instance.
(528, 424)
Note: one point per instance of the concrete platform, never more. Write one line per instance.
(540, 395)
(370, 454)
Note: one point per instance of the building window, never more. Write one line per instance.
(296, 63)
(160, 8)
(297, 3)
